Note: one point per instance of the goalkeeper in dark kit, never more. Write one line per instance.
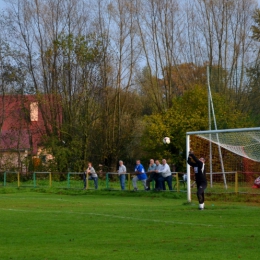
(200, 176)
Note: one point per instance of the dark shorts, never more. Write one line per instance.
(201, 187)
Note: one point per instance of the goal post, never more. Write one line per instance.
(188, 168)
(237, 149)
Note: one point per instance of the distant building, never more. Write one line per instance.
(24, 120)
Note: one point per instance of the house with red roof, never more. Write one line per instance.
(24, 121)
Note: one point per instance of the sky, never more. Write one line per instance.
(2, 4)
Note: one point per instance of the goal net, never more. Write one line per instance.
(232, 158)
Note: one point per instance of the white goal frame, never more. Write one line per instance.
(188, 134)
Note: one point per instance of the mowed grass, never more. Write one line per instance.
(124, 225)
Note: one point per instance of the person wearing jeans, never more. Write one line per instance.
(140, 175)
(154, 170)
(94, 176)
(121, 173)
(166, 176)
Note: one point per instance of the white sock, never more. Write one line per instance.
(201, 206)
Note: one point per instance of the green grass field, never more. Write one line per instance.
(49, 224)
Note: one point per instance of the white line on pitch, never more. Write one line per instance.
(131, 218)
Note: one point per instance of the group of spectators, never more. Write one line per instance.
(158, 172)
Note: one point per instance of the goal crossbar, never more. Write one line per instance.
(223, 131)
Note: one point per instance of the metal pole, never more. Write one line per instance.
(215, 124)
(68, 179)
(107, 180)
(177, 181)
(209, 118)
(4, 179)
(236, 182)
(18, 179)
(129, 180)
(34, 180)
(50, 178)
(219, 148)
(188, 168)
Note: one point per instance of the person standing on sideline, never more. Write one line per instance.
(166, 176)
(90, 170)
(121, 173)
(200, 176)
(151, 171)
(140, 175)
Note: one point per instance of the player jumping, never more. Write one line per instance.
(200, 176)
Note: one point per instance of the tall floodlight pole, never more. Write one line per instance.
(215, 124)
(209, 117)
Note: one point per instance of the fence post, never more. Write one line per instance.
(236, 182)
(129, 179)
(87, 181)
(34, 180)
(18, 179)
(107, 180)
(50, 178)
(177, 181)
(4, 179)
(68, 180)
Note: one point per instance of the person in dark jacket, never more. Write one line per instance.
(200, 176)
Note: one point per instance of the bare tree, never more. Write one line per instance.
(115, 22)
(223, 29)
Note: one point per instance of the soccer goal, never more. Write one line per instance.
(232, 158)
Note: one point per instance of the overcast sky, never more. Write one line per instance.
(2, 3)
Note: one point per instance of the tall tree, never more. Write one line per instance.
(188, 113)
(223, 35)
(160, 27)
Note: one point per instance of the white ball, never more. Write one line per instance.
(166, 140)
